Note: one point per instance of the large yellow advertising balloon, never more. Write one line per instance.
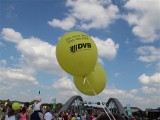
(15, 106)
(94, 83)
(76, 53)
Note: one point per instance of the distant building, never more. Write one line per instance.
(135, 109)
(153, 113)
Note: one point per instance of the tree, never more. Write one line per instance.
(98, 103)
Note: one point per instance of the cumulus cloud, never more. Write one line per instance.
(65, 24)
(150, 80)
(148, 54)
(106, 48)
(11, 35)
(112, 92)
(143, 16)
(34, 52)
(134, 91)
(17, 75)
(15, 78)
(35, 55)
(39, 54)
(65, 89)
(149, 90)
(99, 15)
(63, 83)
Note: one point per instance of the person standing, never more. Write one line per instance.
(48, 115)
(83, 117)
(69, 116)
(23, 114)
(78, 117)
(60, 117)
(37, 113)
(10, 115)
(73, 117)
(91, 116)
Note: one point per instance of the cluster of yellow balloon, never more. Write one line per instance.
(16, 106)
(77, 54)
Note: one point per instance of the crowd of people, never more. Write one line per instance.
(37, 112)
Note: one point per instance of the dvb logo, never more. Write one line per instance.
(76, 47)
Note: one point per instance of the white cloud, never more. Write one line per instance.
(64, 95)
(106, 48)
(134, 91)
(68, 94)
(149, 90)
(34, 52)
(65, 89)
(149, 54)
(16, 78)
(150, 80)
(65, 24)
(112, 92)
(39, 54)
(35, 55)
(47, 87)
(144, 19)
(11, 35)
(4, 89)
(88, 13)
(64, 83)
(17, 75)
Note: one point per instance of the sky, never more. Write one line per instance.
(126, 33)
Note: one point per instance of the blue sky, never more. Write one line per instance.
(125, 32)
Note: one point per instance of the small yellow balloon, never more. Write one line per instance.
(15, 106)
(94, 83)
(76, 53)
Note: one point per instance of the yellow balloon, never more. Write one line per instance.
(15, 106)
(95, 81)
(76, 53)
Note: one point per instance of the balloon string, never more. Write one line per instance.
(98, 98)
(84, 80)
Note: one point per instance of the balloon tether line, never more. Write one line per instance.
(84, 80)
(98, 100)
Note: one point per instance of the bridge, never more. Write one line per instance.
(76, 104)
